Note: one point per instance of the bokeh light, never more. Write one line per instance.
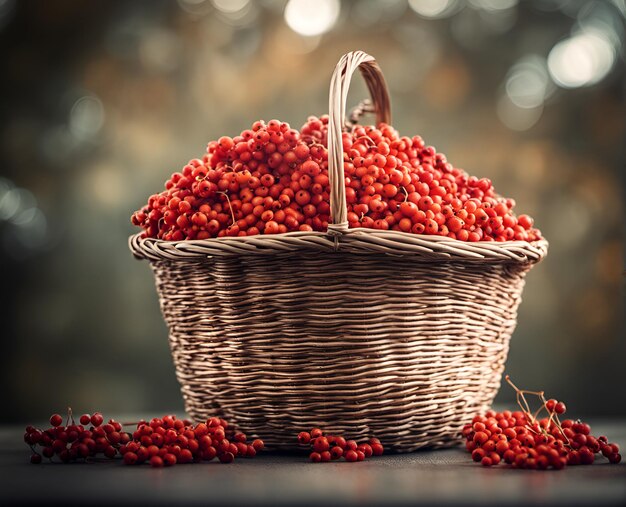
(581, 60)
(311, 17)
(230, 6)
(196, 7)
(494, 5)
(27, 229)
(9, 200)
(86, 117)
(435, 8)
(527, 83)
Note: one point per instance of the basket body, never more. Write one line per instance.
(364, 332)
(402, 348)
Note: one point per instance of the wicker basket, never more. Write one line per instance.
(363, 332)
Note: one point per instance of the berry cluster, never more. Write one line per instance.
(273, 179)
(523, 440)
(160, 442)
(167, 441)
(331, 447)
(72, 442)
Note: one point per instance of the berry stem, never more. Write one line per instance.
(70, 417)
(366, 138)
(232, 213)
(539, 394)
(520, 395)
(532, 418)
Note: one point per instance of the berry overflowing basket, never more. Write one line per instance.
(340, 276)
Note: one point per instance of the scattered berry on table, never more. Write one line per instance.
(325, 447)
(523, 439)
(160, 442)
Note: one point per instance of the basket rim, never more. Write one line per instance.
(357, 240)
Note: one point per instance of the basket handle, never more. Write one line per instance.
(339, 86)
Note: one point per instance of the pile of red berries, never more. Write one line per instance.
(72, 442)
(331, 447)
(160, 442)
(273, 179)
(167, 441)
(522, 440)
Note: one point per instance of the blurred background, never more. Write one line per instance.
(101, 101)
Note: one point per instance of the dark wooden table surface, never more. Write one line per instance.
(442, 477)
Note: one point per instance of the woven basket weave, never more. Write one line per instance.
(363, 332)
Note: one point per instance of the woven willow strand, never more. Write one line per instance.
(338, 96)
(363, 345)
(434, 248)
(363, 332)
